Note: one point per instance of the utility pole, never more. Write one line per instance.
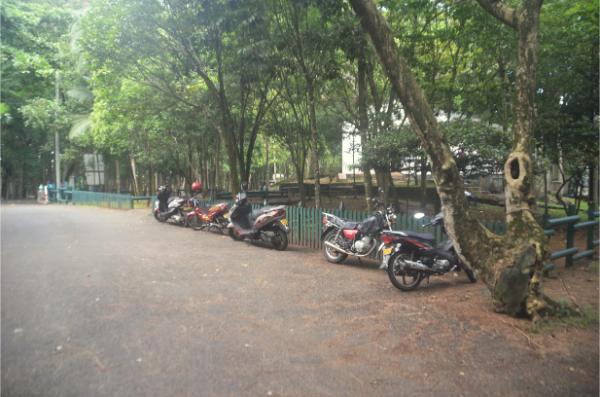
(56, 141)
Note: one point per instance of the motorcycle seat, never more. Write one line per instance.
(420, 236)
(350, 225)
(256, 213)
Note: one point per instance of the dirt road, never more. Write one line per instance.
(100, 302)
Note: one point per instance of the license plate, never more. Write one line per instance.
(284, 222)
(387, 251)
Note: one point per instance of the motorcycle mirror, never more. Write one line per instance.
(419, 215)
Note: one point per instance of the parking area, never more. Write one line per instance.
(99, 302)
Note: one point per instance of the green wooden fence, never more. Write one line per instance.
(98, 199)
(306, 224)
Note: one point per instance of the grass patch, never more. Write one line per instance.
(585, 316)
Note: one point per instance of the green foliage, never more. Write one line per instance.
(479, 148)
(30, 52)
(45, 114)
(177, 85)
(568, 80)
(391, 149)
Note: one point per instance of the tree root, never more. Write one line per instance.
(543, 307)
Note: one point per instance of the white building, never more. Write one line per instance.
(351, 152)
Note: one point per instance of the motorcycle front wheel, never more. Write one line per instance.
(279, 240)
(331, 254)
(195, 222)
(404, 280)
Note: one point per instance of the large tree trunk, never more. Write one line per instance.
(363, 121)
(118, 175)
(20, 190)
(510, 266)
(314, 141)
(423, 181)
(300, 177)
(134, 175)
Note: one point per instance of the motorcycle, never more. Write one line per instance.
(342, 238)
(410, 256)
(173, 209)
(268, 224)
(215, 218)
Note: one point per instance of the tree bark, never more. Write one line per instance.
(363, 122)
(118, 175)
(423, 181)
(314, 141)
(510, 266)
(134, 175)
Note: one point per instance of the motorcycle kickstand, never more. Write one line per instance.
(428, 280)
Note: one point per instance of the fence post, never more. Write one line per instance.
(570, 243)
(590, 230)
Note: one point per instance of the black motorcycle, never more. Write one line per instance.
(410, 256)
(360, 239)
(268, 224)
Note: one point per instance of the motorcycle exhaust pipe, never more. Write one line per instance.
(337, 248)
(418, 266)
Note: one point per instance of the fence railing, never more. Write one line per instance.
(571, 253)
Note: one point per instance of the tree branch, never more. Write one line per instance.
(501, 11)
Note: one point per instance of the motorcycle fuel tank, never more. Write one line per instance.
(349, 234)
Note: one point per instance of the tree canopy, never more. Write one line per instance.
(231, 91)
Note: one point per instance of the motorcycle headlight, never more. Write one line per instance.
(392, 218)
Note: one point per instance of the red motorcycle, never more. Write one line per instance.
(215, 218)
(360, 239)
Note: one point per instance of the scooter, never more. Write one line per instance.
(172, 209)
(215, 218)
(268, 224)
(410, 256)
(342, 238)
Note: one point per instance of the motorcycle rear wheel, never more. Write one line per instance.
(279, 240)
(406, 280)
(331, 255)
(234, 235)
(158, 217)
(471, 275)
